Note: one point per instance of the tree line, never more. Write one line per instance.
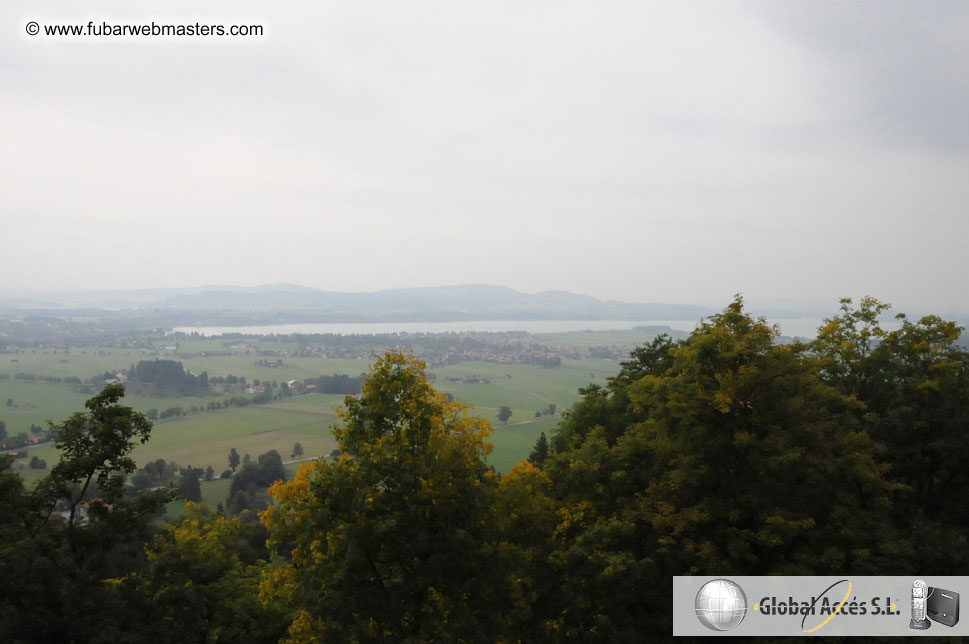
(723, 453)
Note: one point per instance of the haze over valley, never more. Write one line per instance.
(478, 322)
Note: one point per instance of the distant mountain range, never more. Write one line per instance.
(281, 303)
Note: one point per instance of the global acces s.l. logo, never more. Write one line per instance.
(823, 607)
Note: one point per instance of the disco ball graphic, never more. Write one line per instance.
(721, 605)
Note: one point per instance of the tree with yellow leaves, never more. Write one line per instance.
(395, 540)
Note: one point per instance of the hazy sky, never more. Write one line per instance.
(675, 151)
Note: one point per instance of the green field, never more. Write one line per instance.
(529, 388)
(82, 363)
(204, 439)
(514, 442)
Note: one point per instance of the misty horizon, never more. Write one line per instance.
(440, 304)
(633, 152)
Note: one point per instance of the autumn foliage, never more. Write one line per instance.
(727, 453)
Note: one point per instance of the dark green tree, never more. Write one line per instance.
(189, 486)
(54, 584)
(201, 583)
(233, 459)
(270, 468)
(95, 448)
(157, 468)
(248, 490)
(504, 413)
(540, 452)
(914, 383)
(610, 408)
(724, 454)
(166, 375)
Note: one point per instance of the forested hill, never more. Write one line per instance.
(290, 303)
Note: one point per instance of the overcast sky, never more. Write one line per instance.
(676, 151)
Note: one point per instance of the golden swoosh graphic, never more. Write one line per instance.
(836, 610)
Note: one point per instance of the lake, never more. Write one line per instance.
(802, 327)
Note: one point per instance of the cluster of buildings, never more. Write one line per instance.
(435, 349)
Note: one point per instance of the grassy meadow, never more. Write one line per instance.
(203, 439)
